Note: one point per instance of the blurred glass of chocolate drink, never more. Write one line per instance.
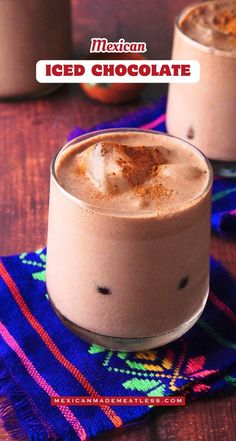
(205, 112)
(128, 237)
(31, 30)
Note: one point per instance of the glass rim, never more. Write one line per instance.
(211, 50)
(128, 213)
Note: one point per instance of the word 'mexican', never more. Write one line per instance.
(103, 45)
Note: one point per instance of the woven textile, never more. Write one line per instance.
(40, 358)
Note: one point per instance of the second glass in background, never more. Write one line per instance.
(205, 113)
(29, 31)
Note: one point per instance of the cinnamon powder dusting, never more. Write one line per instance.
(137, 162)
(226, 22)
(154, 192)
(139, 167)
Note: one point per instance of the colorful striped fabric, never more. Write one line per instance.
(39, 358)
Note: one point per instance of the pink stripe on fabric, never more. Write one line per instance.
(222, 307)
(68, 415)
(156, 122)
(48, 341)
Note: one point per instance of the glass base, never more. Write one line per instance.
(226, 169)
(128, 344)
(38, 93)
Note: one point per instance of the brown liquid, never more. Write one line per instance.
(31, 30)
(204, 113)
(123, 271)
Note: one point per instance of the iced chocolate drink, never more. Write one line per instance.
(31, 30)
(204, 113)
(128, 237)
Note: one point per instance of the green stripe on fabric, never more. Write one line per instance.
(230, 380)
(221, 194)
(215, 334)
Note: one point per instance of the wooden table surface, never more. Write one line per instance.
(31, 131)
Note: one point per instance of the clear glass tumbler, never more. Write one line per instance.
(128, 280)
(31, 30)
(205, 113)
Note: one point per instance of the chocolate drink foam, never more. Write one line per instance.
(212, 24)
(132, 175)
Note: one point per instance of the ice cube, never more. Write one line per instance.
(104, 170)
(114, 168)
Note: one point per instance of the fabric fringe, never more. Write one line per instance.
(10, 421)
(10, 415)
(217, 380)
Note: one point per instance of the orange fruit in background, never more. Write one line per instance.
(114, 93)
